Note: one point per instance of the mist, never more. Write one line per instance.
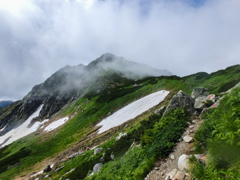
(183, 36)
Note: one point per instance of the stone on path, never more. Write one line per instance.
(183, 162)
(188, 139)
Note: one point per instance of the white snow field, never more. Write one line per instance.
(21, 130)
(56, 124)
(132, 110)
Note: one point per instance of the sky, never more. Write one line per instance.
(38, 37)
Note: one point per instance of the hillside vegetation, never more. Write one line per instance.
(154, 135)
(219, 138)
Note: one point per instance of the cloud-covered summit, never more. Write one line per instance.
(38, 37)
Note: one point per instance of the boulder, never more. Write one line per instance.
(181, 100)
(160, 111)
(96, 168)
(199, 91)
(47, 169)
(97, 150)
(199, 102)
(183, 162)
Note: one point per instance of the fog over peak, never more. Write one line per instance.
(39, 37)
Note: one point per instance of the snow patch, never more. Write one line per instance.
(56, 124)
(3, 129)
(21, 130)
(132, 110)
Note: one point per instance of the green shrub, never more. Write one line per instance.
(219, 135)
(14, 158)
(228, 85)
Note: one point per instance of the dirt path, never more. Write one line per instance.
(164, 166)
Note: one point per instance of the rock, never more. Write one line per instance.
(62, 160)
(179, 175)
(172, 156)
(201, 158)
(194, 121)
(180, 100)
(59, 169)
(97, 168)
(97, 150)
(172, 173)
(191, 127)
(74, 155)
(199, 102)
(183, 162)
(46, 176)
(112, 156)
(188, 139)
(121, 135)
(203, 112)
(216, 103)
(212, 97)
(199, 91)
(47, 169)
(160, 111)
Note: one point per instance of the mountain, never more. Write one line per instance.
(106, 113)
(70, 83)
(5, 103)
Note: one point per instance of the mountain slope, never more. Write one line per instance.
(70, 83)
(106, 93)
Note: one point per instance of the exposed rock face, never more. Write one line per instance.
(199, 91)
(74, 155)
(97, 150)
(181, 100)
(47, 169)
(97, 168)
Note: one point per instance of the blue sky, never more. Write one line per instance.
(38, 37)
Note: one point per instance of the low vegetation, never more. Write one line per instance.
(219, 138)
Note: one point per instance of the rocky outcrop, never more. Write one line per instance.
(97, 150)
(97, 168)
(199, 91)
(74, 155)
(181, 100)
(47, 169)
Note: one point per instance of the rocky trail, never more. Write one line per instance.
(175, 167)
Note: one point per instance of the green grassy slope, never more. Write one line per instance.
(93, 107)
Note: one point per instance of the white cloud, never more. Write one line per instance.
(44, 36)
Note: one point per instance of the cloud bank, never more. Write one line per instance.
(38, 37)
